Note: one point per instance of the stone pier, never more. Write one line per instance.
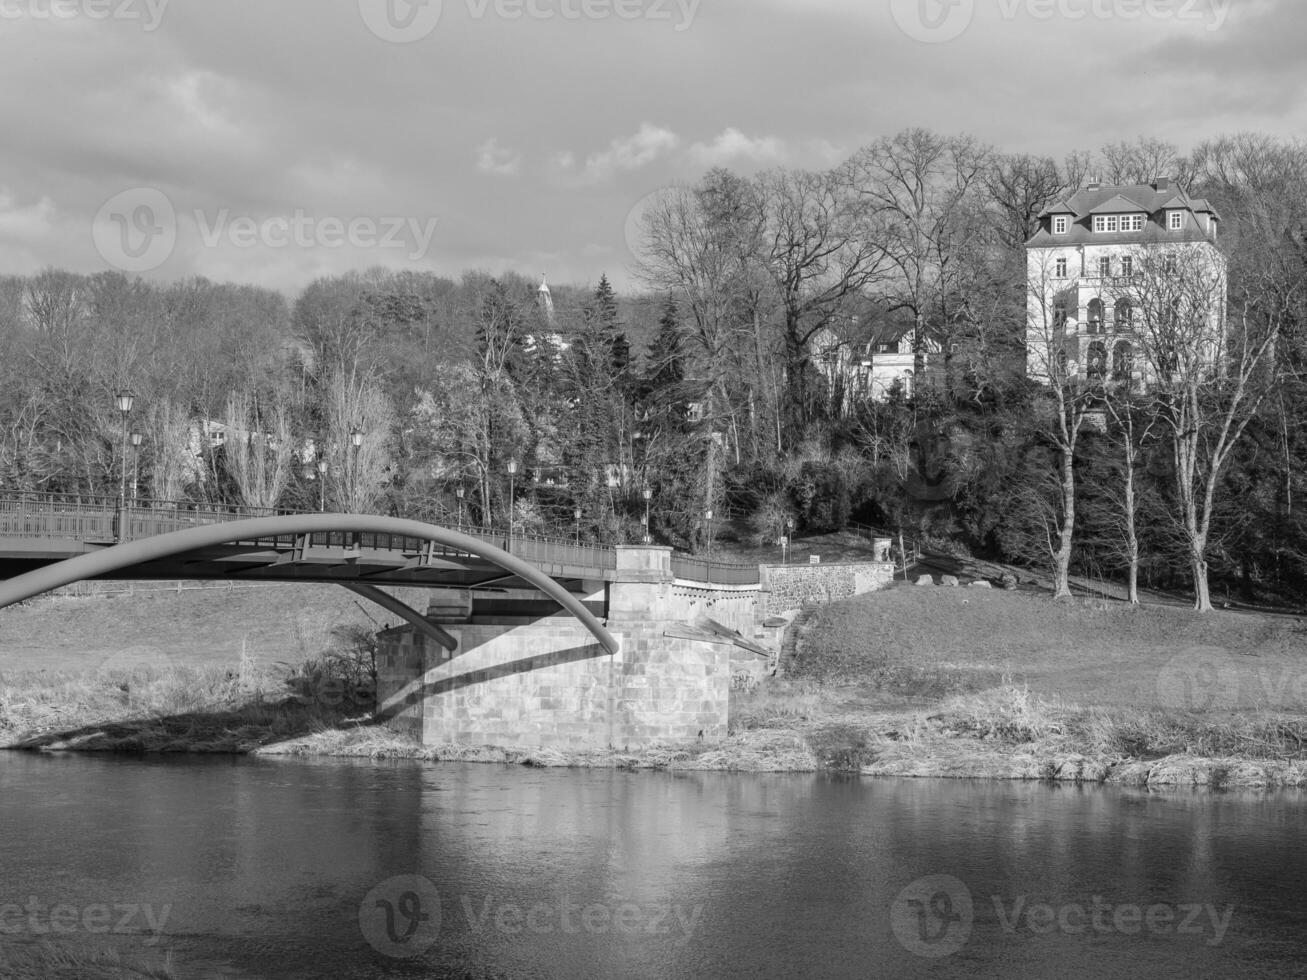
(542, 680)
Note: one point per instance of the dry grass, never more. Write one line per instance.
(168, 709)
(48, 962)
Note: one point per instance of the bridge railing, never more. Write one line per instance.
(714, 572)
(97, 518)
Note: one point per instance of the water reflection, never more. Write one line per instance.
(264, 865)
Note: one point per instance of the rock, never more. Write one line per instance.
(980, 583)
(926, 580)
(1008, 581)
(951, 581)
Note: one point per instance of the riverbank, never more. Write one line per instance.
(908, 682)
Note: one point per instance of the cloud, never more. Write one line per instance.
(631, 153)
(732, 146)
(497, 161)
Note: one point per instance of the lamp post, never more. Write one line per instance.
(322, 484)
(460, 493)
(647, 493)
(789, 535)
(135, 438)
(577, 514)
(356, 440)
(707, 516)
(124, 401)
(512, 487)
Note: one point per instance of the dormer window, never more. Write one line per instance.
(1105, 222)
(1059, 224)
(1132, 222)
(1175, 220)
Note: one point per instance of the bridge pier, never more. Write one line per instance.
(522, 682)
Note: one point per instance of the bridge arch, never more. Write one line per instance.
(173, 543)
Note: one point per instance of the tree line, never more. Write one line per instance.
(714, 388)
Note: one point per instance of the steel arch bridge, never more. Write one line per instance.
(47, 544)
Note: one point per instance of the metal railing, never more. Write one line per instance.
(714, 572)
(98, 519)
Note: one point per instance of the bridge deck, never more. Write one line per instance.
(40, 529)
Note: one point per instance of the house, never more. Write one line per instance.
(1115, 272)
(874, 370)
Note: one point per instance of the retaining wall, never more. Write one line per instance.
(788, 587)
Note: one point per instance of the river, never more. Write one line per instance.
(269, 868)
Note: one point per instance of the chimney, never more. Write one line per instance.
(1094, 185)
(1163, 183)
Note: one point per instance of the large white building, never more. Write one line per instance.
(1111, 272)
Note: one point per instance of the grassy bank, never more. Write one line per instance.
(909, 682)
(45, 961)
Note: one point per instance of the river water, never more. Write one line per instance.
(246, 868)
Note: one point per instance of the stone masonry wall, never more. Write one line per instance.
(736, 608)
(547, 683)
(795, 586)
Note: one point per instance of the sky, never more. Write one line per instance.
(273, 142)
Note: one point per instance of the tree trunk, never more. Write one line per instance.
(1062, 555)
(1202, 595)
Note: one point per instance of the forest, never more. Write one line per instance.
(705, 398)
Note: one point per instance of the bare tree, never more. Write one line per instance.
(1207, 377)
(355, 409)
(918, 192)
(818, 256)
(258, 449)
(1054, 355)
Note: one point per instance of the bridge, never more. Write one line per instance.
(607, 634)
(49, 540)
(525, 641)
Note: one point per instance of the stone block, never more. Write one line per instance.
(925, 580)
(949, 581)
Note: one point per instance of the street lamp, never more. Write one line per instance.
(789, 535)
(322, 484)
(135, 438)
(707, 516)
(647, 493)
(577, 514)
(356, 440)
(512, 482)
(460, 493)
(124, 401)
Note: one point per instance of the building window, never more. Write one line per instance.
(1175, 220)
(1096, 361)
(1095, 316)
(1059, 268)
(1105, 222)
(1059, 224)
(1169, 265)
(1105, 267)
(1132, 222)
(1122, 362)
(1127, 266)
(1125, 315)
(1059, 315)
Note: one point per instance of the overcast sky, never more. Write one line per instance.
(275, 141)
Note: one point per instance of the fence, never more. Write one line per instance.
(98, 519)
